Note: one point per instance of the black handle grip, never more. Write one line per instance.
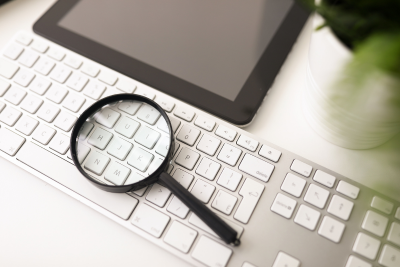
(221, 228)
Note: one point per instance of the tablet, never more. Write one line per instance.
(220, 56)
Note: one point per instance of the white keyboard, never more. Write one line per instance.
(288, 211)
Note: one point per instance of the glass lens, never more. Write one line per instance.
(123, 142)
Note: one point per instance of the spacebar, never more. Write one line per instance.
(66, 174)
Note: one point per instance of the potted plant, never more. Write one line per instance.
(352, 95)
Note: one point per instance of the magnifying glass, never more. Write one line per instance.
(124, 143)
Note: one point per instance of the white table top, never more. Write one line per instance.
(41, 226)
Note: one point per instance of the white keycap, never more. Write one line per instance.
(150, 220)
(180, 237)
(96, 162)
(208, 144)
(60, 73)
(331, 229)
(205, 123)
(15, 95)
(24, 77)
(163, 146)
(73, 62)
(119, 148)
(256, 167)
(177, 208)
(43, 134)
(270, 153)
(229, 154)
(166, 104)
(44, 66)
(90, 70)
(39, 46)
(26, 125)
(224, 202)
(154, 165)
(307, 217)
(348, 189)
(117, 173)
(208, 168)
(140, 159)
(48, 112)
(94, 90)
(366, 246)
(182, 177)
(24, 39)
(284, 260)
(10, 142)
(158, 195)
(73, 102)
(211, 253)
(283, 205)
(340, 207)
(324, 178)
(148, 114)
(229, 179)
(293, 185)
(375, 223)
(40, 86)
(356, 262)
(4, 87)
(251, 192)
(56, 94)
(108, 78)
(56, 54)
(225, 133)
(301, 168)
(316, 196)
(184, 113)
(31, 104)
(7, 69)
(196, 221)
(107, 117)
(187, 158)
(162, 125)
(82, 152)
(126, 86)
(147, 137)
(174, 123)
(247, 142)
(85, 130)
(382, 205)
(28, 58)
(13, 51)
(65, 121)
(10, 115)
(394, 234)
(100, 138)
(60, 143)
(129, 107)
(145, 92)
(127, 127)
(188, 135)
(2, 106)
(202, 190)
(390, 256)
(77, 81)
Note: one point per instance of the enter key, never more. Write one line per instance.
(251, 192)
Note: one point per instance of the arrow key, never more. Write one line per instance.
(307, 217)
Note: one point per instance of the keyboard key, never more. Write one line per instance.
(126, 86)
(139, 192)
(44, 66)
(324, 178)
(366, 246)
(60, 73)
(56, 94)
(256, 167)
(56, 54)
(129, 107)
(117, 173)
(154, 165)
(147, 137)
(107, 117)
(15, 95)
(283, 205)
(208, 168)
(348, 189)
(119, 148)
(7, 69)
(340, 207)
(187, 158)
(284, 260)
(331, 229)
(73, 62)
(196, 221)
(316, 196)
(28, 58)
(180, 237)
(174, 123)
(182, 177)
(225, 133)
(307, 217)
(163, 146)
(108, 78)
(26, 125)
(356, 262)
(24, 77)
(10, 116)
(229, 154)
(127, 127)
(39, 46)
(251, 192)
(65, 121)
(73, 102)
(205, 123)
(188, 135)
(150, 220)
(208, 144)
(202, 190)
(148, 114)
(229, 179)
(31, 104)
(13, 51)
(390, 256)
(146, 93)
(90, 70)
(293, 185)
(24, 39)
(375, 223)
(10, 142)
(77, 81)
(301, 168)
(82, 152)
(140, 159)
(166, 104)
(211, 253)
(394, 234)
(247, 142)
(39, 86)
(184, 113)
(2, 106)
(96, 162)
(158, 195)
(270, 153)
(60, 143)
(85, 130)
(4, 87)
(94, 90)
(43, 134)
(224, 202)
(177, 208)
(382, 205)
(100, 138)
(48, 112)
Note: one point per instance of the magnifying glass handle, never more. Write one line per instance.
(221, 228)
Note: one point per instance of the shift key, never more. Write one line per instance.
(251, 192)
(256, 167)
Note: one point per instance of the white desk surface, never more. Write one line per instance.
(41, 226)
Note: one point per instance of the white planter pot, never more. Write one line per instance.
(355, 118)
